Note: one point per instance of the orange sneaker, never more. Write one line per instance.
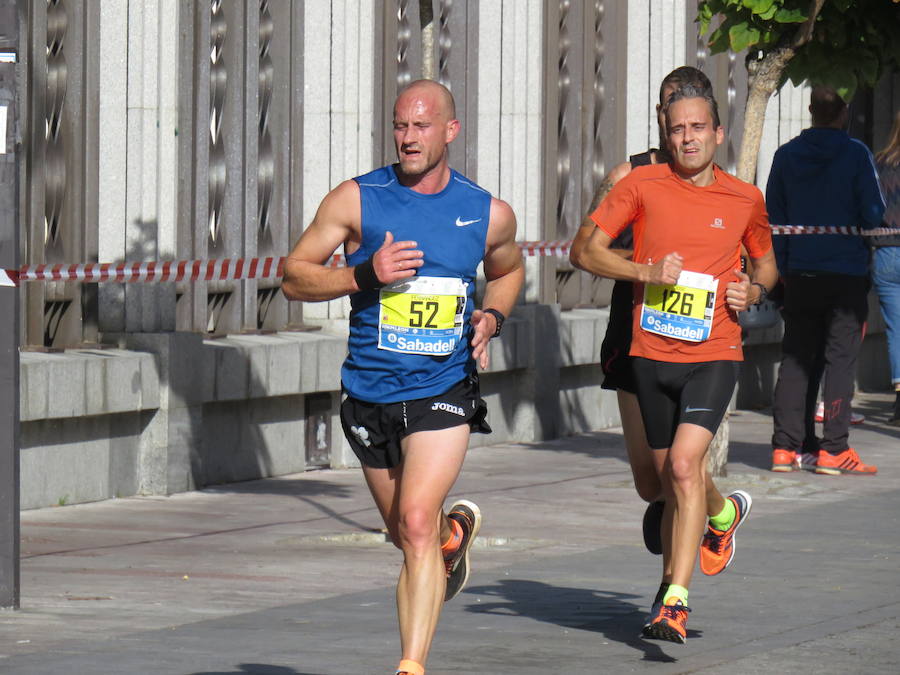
(468, 515)
(784, 460)
(670, 624)
(410, 667)
(717, 547)
(846, 462)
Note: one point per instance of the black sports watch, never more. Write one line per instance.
(763, 292)
(497, 314)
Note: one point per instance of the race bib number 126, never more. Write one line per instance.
(422, 315)
(683, 310)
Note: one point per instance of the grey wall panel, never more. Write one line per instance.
(61, 207)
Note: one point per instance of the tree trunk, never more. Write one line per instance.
(717, 459)
(765, 76)
(426, 20)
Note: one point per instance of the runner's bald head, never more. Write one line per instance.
(429, 88)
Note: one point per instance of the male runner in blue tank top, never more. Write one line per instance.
(414, 234)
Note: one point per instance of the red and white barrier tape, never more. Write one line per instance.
(199, 270)
(833, 229)
(267, 268)
(193, 270)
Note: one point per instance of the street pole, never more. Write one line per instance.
(9, 308)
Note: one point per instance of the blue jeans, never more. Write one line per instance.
(886, 276)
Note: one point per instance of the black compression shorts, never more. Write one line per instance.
(375, 430)
(614, 357)
(676, 393)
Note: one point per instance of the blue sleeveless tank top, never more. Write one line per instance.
(411, 340)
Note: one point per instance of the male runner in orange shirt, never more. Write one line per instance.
(690, 219)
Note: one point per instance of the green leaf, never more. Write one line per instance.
(759, 6)
(866, 66)
(768, 39)
(839, 77)
(785, 15)
(718, 41)
(742, 35)
(769, 13)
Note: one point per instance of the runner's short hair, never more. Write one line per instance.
(681, 76)
(691, 91)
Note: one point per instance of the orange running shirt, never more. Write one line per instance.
(706, 226)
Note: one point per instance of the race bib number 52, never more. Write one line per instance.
(683, 310)
(422, 315)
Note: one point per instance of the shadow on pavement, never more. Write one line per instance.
(611, 614)
(755, 455)
(256, 669)
(306, 490)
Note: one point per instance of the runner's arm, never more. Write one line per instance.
(744, 292)
(306, 275)
(765, 272)
(505, 273)
(597, 258)
(581, 240)
(584, 232)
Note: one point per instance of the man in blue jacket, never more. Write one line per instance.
(822, 177)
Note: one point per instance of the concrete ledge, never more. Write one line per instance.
(581, 334)
(86, 382)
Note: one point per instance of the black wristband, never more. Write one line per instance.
(497, 314)
(763, 293)
(365, 276)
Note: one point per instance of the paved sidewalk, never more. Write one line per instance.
(292, 576)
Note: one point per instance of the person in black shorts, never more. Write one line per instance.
(690, 220)
(614, 358)
(416, 341)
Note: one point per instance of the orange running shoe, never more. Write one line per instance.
(784, 460)
(410, 667)
(717, 547)
(468, 515)
(670, 624)
(846, 462)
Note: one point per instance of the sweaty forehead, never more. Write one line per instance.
(415, 110)
(414, 103)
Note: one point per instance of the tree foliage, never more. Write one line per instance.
(851, 42)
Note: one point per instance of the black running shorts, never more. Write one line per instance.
(670, 394)
(614, 357)
(375, 430)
